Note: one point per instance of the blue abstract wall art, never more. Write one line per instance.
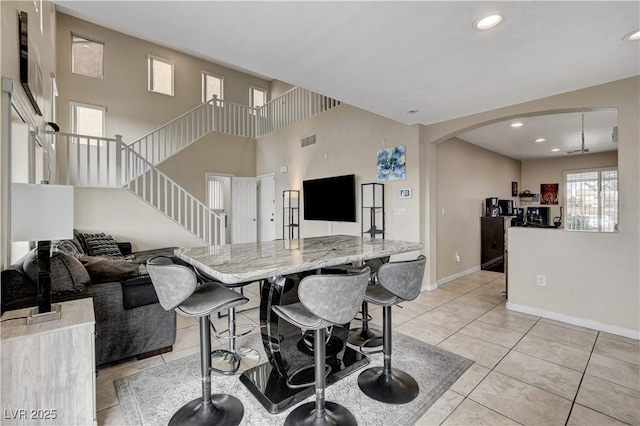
(391, 164)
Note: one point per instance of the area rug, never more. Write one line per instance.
(152, 396)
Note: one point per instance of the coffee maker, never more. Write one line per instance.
(492, 209)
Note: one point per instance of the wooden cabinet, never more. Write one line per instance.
(492, 243)
(48, 369)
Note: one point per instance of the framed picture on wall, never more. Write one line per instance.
(514, 189)
(405, 193)
(549, 193)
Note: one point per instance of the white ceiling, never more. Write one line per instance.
(561, 131)
(392, 57)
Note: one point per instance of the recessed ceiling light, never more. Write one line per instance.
(632, 36)
(555, 150)
(487, 22)
(517, 124)
(540, 140)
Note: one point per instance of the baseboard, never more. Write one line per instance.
(431, 287)
(595, 325)
(154, 353)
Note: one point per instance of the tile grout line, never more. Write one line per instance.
(490, 370)
(573, 403)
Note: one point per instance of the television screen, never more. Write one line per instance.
(332, 199)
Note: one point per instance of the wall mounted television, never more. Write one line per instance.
(30, 73)
(331, 199)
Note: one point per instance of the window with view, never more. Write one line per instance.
(87, 120)
(257, 97)
(160, 75)
(212, 85)
(87, 57)
(591, 202)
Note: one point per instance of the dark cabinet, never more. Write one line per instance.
(492, 243)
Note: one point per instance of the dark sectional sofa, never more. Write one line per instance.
(129, 319)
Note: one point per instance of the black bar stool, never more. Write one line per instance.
(325, 300)
(397, 282)
(177, 288)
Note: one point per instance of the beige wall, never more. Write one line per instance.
(215, 153)
(132, 110)
(348, 140)
(466, 175)
(592, 279)
(536, 172)
(126, 217)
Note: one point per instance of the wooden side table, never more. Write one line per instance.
(48, 369)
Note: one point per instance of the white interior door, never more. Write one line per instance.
(244, 210)
(267, 207)
(218, 196)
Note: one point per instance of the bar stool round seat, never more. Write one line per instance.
(325, 300)
(397, 282)
(177, 288)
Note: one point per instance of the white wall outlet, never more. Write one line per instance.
(457, 257)
(399, 212)
(541, 280)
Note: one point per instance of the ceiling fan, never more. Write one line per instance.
(582, 149)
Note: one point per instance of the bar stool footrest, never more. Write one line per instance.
(225, 357)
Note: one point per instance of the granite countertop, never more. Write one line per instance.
(237, 263)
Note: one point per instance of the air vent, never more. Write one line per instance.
(578, 151)
(309, 140)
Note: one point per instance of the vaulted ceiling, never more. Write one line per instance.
(414, 62)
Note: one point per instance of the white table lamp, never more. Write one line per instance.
(42, 213)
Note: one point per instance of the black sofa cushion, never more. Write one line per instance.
(138, 292)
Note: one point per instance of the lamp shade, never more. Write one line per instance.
(41, 212)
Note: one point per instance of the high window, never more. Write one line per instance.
(87, 120)
(257, 96)
(87, 57)
(591, 201)
(160, 75)
(211, 85)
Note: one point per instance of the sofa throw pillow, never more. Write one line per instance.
(82, 239)
(105, 269)
(71, 247)
(102, 245)
(67, 273)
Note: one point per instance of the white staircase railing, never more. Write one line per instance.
(89, 161)
(217, 115)
(291, 107)
(214, 115)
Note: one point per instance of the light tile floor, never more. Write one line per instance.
(528, 370)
